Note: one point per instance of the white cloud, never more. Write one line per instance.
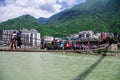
(69, 2)
(36, 8)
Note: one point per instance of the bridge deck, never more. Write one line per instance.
(88, 51)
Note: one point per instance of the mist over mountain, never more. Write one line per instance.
(43, 20)
(96, 15)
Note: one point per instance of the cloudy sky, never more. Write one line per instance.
(37, 8)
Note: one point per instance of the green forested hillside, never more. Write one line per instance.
(25, 21)
(69, 23)
(96, 15)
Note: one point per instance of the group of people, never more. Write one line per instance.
(68, 45)
(16, 40)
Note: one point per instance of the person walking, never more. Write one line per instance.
(13, 40)
(19, 42)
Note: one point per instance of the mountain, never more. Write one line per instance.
(90, 7)
(98, 6)
(28, 22)
(52, 18)
(96, 15)
(43, 20)
(20, 22)
(25, 21)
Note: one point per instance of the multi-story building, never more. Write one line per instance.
(74, 36)
(29, 37)
(6, 36)
(86, 34)
(49, 39)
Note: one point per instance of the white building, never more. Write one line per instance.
(48, 38)
(6, 35)
(97, 35)
(74, 36)
(86, 34)
(29, 37)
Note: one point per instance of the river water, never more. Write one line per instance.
(43, 66)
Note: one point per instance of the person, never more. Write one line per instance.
(61, 46)
(13, 40)
(19, 42)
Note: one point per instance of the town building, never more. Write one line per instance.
(86, 34)
(48, 39)
(29, 37)
(6, 36)
(74, 36)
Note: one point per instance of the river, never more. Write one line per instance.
(46, 66)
